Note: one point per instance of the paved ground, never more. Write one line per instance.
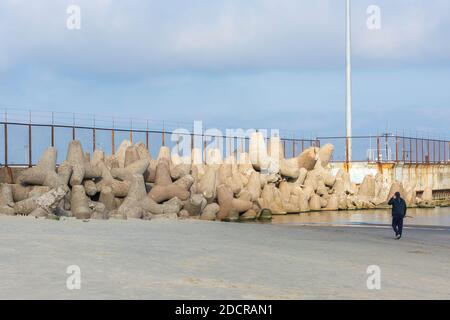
(164, 259)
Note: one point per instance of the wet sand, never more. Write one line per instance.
(170, 259)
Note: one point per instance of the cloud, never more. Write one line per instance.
(411, 31)
(135, 37)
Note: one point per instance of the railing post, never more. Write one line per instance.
(230, 151)
(93, 137)
(113, 145)
(53, 135)
(73, 126)
(93, 140)
(410, 151)
(434, 151)
(417, 151)
(293, 148)
(131, 130)
(146, 136)
(403, 148)
(6, 144)
(386, 147)
(53, 130)
(439, 159)
(445, 152)
(30, 160)
(204, 149)
(423, 158)
(378, 150)
(448, 152)
(396, 148)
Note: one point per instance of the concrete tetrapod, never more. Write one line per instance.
(164, 189)
(44, 173)
(81, 167)
(230, 207)
(6, 200)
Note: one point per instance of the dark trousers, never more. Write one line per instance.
(397, 225)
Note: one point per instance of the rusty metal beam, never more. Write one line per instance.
(439, 151)
(422, 153)
(30, 159)
(6, 144)
(53, 135)
(204, 150)
(93, 140)
(378, 150)
(396, 148)
(403, 149)
(417, 151)
(434, 150)
(410, 150)
(293, 148)
(113, 145)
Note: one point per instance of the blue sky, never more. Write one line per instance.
(255, 63)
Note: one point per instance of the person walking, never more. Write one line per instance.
(398, 213)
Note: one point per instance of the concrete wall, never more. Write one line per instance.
(436, 176)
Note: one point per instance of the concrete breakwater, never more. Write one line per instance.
(240, 187)
(435, 176)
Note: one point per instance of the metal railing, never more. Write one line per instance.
(18, 136)
(391, 148)
(25, 135)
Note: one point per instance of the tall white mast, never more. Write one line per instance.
(348, 113)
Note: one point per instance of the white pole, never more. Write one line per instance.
(348, 114)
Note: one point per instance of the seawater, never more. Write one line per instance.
(439, 216)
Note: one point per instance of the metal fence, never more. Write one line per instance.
(391, 148)
(22, 143)
(25, 135)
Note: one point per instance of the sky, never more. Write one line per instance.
(250, 64)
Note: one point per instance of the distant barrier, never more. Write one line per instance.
(22, 144)
(391, 148)
(25, 135)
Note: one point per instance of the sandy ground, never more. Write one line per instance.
(166, 259)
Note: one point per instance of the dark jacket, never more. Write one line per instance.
(398, 207)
